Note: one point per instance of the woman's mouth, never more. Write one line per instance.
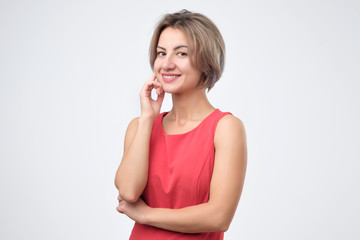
(170, 77)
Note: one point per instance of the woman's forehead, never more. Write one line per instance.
(172, 37)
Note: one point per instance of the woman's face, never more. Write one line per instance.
(172, 65)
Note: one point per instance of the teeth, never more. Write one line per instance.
(170, 77)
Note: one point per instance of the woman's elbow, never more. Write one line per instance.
(126, 193)
(222, 222)
(129, 196)
(221, 226)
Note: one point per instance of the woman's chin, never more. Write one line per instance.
(169, 89)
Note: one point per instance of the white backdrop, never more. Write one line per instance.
(70, 74)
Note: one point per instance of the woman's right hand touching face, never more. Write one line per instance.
(150, 108)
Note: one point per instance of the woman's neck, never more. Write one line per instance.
(190, 106)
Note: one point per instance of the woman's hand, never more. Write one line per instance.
(136, 211)
(150, 107)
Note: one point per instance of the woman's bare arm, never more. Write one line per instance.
(131, 176)
(225, 189)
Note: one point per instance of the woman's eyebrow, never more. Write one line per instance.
(180, 46)
(176, 48)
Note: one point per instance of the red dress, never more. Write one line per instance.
(180, 170)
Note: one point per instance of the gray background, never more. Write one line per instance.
(70, 74)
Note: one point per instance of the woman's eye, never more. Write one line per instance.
(182, 53)
(161, 54)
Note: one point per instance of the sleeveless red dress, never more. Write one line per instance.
(180, 170)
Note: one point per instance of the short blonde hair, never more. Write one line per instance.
(206, 45)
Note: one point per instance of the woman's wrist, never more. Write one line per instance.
(146, 217)
(146, 119)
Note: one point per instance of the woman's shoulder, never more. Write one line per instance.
(135, 121)
(229, 119)
(229, 125)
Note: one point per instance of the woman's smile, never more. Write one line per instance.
(168, 77)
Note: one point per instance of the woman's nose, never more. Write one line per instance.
(168, 63)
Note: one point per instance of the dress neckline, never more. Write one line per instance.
(185, 133)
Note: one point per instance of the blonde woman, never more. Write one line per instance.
(182, 171)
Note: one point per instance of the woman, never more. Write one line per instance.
(182, 171)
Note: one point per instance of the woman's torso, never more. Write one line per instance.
(180, 171)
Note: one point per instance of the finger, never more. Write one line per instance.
(160, 96)
(159, 90)
(153, 77)
(119, 209)
(149, 85)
